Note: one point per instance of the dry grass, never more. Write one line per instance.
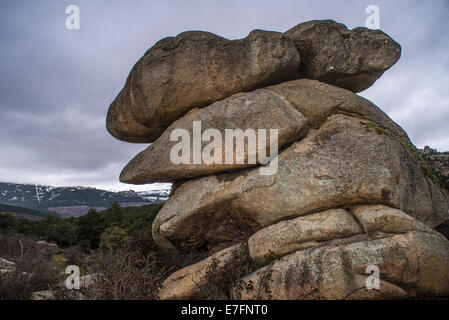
(35, 270)
(134, 272)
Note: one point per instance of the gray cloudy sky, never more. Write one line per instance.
(56, 84)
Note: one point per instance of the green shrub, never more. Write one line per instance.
(113, 238)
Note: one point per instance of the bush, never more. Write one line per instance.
(74, 255)
(132, 267)
(113, 238)
(134, 271)
(34, 268)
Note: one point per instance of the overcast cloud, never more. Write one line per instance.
(56, 84)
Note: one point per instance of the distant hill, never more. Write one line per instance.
(72, 201)
(21, 212)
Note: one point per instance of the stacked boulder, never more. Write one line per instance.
(350, 192)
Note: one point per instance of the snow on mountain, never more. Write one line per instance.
(56, 199)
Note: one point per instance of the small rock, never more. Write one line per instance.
(45, 243)
(43, 295)
(5, 264)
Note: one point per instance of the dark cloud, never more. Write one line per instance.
(56, 84)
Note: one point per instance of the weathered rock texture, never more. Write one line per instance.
(350, 59)
(198, 68)
(297, 234)
(261, 109)
(291, 107)
(192, 70)
(188, 282)
(350, 191)
(409, 263)
(342, 163)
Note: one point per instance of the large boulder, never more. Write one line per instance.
(260, 109)
(192, 70)
(269, 108)
(350, 59)
(121, 123)
(345, 162)
(344, 192)
(304, 232)
(317, 229)
(317, 101)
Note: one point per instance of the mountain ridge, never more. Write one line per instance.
(73, 200)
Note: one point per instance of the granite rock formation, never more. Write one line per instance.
(349, 192)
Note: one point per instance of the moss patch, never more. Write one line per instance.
(60, 261)
(412, 151)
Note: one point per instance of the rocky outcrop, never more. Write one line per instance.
(346, 193)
